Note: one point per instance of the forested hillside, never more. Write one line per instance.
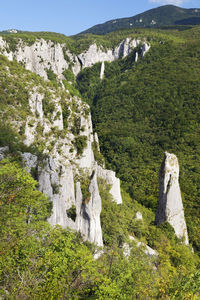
(165, 15)
(139, 110)
(142, 109)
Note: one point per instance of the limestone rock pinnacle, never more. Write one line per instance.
(170, 206)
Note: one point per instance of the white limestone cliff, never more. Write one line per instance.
(38, 57)
(45, 55)
(29, 161)
(88, 213)
(170, 206)
(145, 48)
(58, 172)
(98, 54)
(110, 178)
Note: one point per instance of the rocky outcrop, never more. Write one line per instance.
(45, 55)
(86, 160)
(38, 57)
(98, 54)
(58, 170)
(88, 213)
(59, 126)
(145, 48)
(3, 151)
(170, 206)
(102, 70)
(111, 179)
(146, 249)
(29, 161)
(59, 186)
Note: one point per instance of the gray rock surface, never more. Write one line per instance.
(29, 161)
(88, 213)
(43, 55)
(3, 151)
(35, 103)
(96, 139)
(102, 70)
(110, 178)
(87, 158)
(139, 215)
(170, 206)
(145, 48)
(38, 57)
(58, 184)
(147, 250)
(57, 171)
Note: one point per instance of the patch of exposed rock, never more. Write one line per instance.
(45, 55)
(147, 250)
(3, 151)
(170, 206)
(111, 179)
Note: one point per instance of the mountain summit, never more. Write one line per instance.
(161, 16)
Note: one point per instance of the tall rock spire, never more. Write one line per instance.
(88, 213)
(170, 206)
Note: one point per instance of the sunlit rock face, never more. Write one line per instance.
(170, 206)
(88, 213)
(44, 55)
(59, 171)
(60, 167)
(111, 179)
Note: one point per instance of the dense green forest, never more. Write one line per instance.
(142, 109)
(139, 110)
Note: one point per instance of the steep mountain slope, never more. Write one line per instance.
(46, 130)
(142, 109)
(54, 122)
(161, 16)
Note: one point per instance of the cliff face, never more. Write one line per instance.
(44, 55)
(170, 206)
(67, 167)
(60, 127)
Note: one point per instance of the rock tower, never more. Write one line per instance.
(170, 206)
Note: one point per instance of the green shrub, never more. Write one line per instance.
(69, 76)
(97, 154)
(71, 212)
(77, 126)
(80, 143)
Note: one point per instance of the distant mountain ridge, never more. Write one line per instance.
(161, 16)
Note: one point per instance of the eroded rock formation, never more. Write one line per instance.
(88, 213)
(170, 206)
(45, 55)
(63, 166)
(59, 171)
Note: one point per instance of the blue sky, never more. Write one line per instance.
(73, 16)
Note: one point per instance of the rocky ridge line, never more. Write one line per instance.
(44, 55)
